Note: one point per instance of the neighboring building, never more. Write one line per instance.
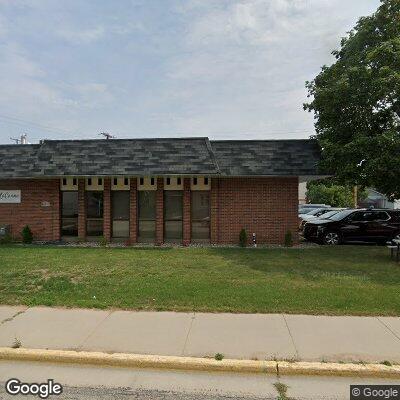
(302, 192)
(378, 200)
(155, 190)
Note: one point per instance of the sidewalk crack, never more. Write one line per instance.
(188, 333)
(13, 316)
(388, 328)
(291, 337)
(93, 331)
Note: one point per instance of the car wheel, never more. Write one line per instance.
(396, 236)
(331, 238)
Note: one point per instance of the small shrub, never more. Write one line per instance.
(288, 239)
(282, 389)
(6, 239)
(16, 344)
(219, 357)
(387, 363)
(243, 238)
(103, 241)
(27, 235)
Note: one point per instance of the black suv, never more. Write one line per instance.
(363, 225)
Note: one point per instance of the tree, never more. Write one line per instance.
(332, 193)
(356, 104)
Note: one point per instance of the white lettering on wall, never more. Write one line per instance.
(10, 196)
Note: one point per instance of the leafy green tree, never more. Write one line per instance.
(332, 193)
(356, 103)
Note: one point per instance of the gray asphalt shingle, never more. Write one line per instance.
(193, 156)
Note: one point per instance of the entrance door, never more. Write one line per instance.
(120, 201)
(200, 210)
(173, 215)
(69, 214)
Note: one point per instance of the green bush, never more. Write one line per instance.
(103, 241)
(243, 238)
(288, 239)
(27, 236)
(6, 239)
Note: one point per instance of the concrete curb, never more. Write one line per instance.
(199, 364)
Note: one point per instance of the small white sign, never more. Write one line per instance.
(10, 196)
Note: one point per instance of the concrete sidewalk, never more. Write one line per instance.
(240, 336)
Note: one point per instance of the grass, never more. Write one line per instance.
(345, 280)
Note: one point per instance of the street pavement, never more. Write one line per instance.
(95, 382)
(238, 336)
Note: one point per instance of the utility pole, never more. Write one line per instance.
(355, 196)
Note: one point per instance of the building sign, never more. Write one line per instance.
(10, 196)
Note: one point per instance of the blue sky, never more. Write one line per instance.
(146, 68)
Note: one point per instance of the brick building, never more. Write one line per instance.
(155, 190)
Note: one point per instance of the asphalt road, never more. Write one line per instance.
(90, 382)
(103, 393)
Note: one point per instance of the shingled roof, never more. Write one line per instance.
(267, 157)
(162, 156)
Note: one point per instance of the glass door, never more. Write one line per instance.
(173, 215)
(69, 214)
(120, 202)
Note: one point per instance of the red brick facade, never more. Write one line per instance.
(187, 227)
(267, 207)
(160, 212)
(107, 228)
(133, 211)
(264, 206)
(39, 208)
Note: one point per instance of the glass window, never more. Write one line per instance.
(146, 215)
(94, 213)
(173, 214)
(94, 203)
(120, 203)
(200, 210)
(70, 204)
(69, 214)
(379, 216)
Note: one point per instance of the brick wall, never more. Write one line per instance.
(186, 223)
(81, 209)
(265, 206)
(107, 209)
(133, 211)
(39, 208)
(160, 212)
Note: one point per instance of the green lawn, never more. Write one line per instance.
(352, 280)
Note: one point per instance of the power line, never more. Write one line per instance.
(24, 122)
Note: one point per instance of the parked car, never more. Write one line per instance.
(306, 208)
(362, 225)
(318, 213)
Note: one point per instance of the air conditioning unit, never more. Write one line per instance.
(5, 230)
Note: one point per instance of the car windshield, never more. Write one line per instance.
(307, 210)
(316, 211)
(329, 214)
(341, 214)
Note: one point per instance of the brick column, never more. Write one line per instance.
(133, 224)
(56, 214)
(214, 211)
(186, 212)
(160, 212)
(81, 210)
(107, 209)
